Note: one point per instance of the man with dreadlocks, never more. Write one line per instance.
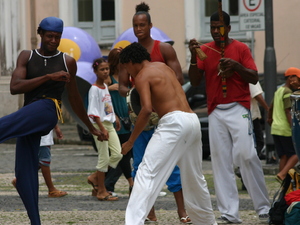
(159, 52)
(176, 140)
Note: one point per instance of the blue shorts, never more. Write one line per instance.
(139, 148)
(45, 155)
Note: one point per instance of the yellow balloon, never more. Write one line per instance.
(69, 47)
(122, 44)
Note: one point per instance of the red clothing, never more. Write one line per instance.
(156, 55)
(237, 88)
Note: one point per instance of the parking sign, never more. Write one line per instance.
(252, 15)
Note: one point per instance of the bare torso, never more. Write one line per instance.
(160, 83)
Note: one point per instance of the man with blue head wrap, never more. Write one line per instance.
(41, 75)
(52, 24)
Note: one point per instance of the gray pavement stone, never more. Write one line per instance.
(72, 162)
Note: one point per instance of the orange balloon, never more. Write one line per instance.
(70, 47)
(122, 44)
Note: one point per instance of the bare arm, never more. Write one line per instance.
(123, 80)
(19, 84)
(270, 115)
(76, 101)
(262, 102)
(248, 75)
(102, 128)
(113, 87)
(171, 60)
(58, 132)
(288, 115)
(118, 123)
(195, 74)
(143, 117)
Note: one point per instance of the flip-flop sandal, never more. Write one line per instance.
(57, 194)
(148, 221)
(95, 192)
(95, 187)
(185, 220)
(278, 179)
(108, 198)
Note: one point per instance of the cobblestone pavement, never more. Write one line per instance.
(71, 164)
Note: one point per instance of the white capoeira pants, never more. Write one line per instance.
(176, 141)
(232, 144)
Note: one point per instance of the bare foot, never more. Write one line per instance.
(182, 214)
(183, 217)
(108, 197)
(151, 216)
(280, 176)
(92, 180)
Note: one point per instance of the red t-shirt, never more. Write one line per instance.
(237, 88)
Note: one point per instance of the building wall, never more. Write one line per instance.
(19, 22)
(9, 35)
(167, 15)
(286, 23)
(175, 18)
(13, 37)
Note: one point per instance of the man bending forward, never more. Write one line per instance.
(176, 141)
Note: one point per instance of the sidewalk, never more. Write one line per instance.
(71, 165)
(72, 161)
(71, 137)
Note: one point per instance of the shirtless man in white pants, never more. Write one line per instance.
(176, 141)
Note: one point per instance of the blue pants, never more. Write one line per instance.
(28, 125)
(139, 147)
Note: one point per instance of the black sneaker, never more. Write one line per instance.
(264, 217)
(223, 220)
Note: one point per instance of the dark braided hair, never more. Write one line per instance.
(215, 17)
(113, 61)
(134, 53)
(97, 62)
(143, 8)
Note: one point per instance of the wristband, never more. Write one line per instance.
(193, 64)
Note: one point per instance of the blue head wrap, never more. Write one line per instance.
(52, 24)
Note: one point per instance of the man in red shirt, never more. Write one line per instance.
(230, 124)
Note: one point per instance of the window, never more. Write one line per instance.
(233, 7)
(85, 10)
(97, 17)
(108, 10)
(212, 6)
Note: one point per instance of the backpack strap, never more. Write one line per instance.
(286, 183)
(283, 188)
